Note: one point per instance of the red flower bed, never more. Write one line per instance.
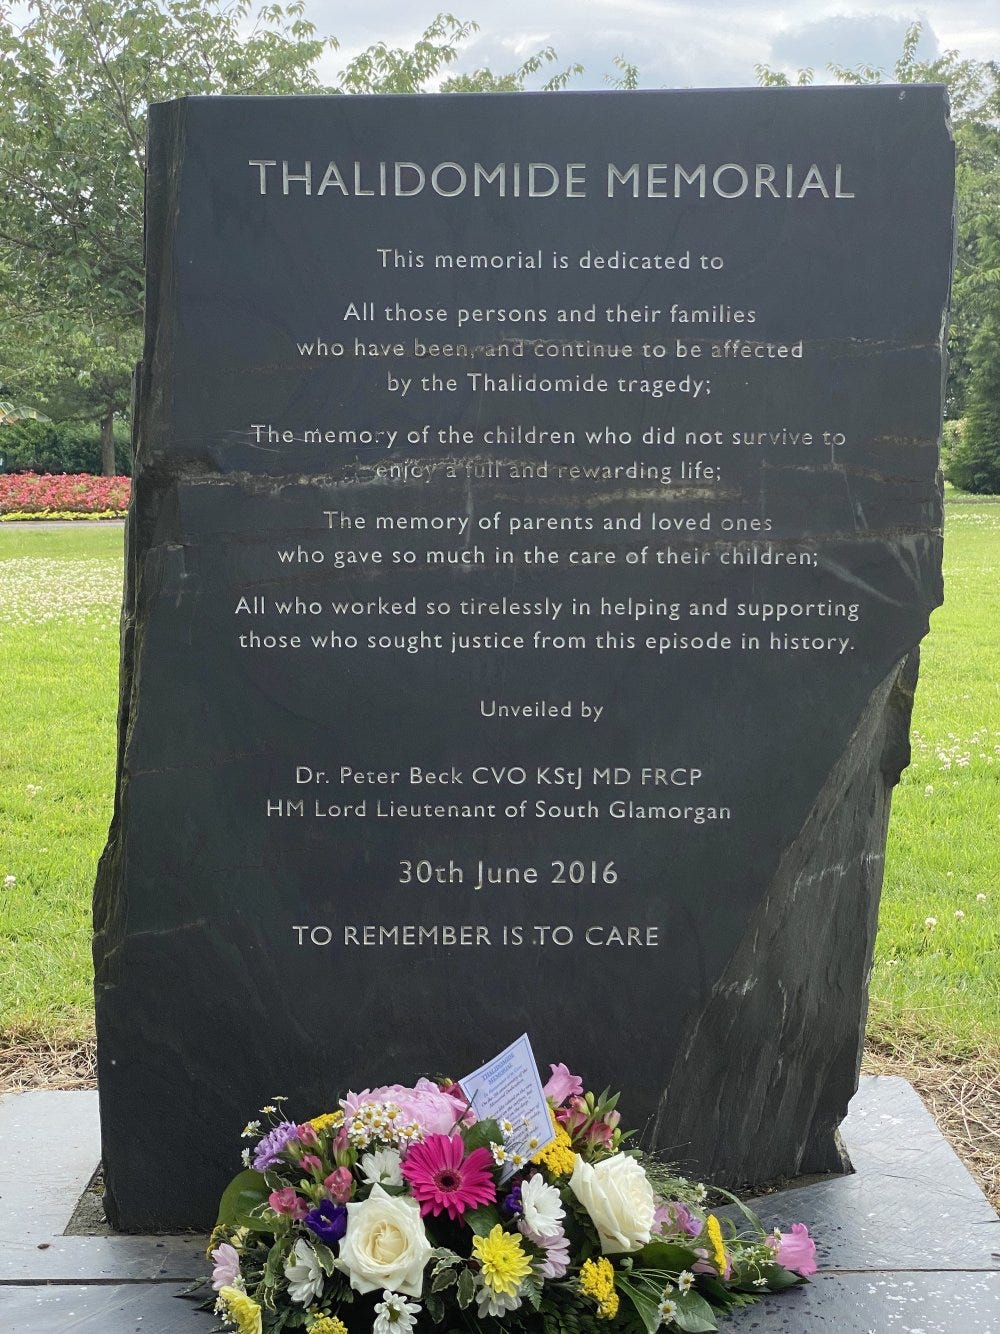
(71, 493)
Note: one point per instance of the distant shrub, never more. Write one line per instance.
(55, 447)
(29, 496)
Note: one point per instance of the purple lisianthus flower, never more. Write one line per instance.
(511, 1205)
(328, 1221)
(266, 1155)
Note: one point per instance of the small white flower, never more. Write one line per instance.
(495, 1303)
(541, 1206)
(959, 915)
(667, 1310)
(381, 1168)
(930, 923)
(268, 1110)
(394, 1313)
(250, 1129)
(760, 1282)
(499, 1153)
(685, 1280)
(980, 898)
(304, 1274)
(245, 1156)
(929, 790)
(9, 881)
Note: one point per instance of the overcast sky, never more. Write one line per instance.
(675, 43)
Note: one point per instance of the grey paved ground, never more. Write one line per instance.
(908, 1245)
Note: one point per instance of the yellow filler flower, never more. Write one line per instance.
(324, 1122)
(504, 1262)
(327, 1324)
(597, 1281)
(714, 1230)
(558, 1156)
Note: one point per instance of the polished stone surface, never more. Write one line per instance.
(723, 816)
(908, 1245)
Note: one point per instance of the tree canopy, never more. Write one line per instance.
(75, 82)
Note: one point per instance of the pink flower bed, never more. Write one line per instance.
(73, 493)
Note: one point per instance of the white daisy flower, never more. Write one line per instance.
(304, 1274)
(394, 1314)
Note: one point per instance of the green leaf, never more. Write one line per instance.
(445, 1279)
(779, 1278)
(246, 1192)
(481, 1135)
(274, 1267)
(665, 1255)
(694, 1315)
(647, 1307)
(482, 1220)
(466, 1289)
(325, 1257)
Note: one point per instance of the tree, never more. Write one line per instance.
(74, 86)
(974, 92)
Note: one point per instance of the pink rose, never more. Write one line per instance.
(287, 1202)
(307, 1136)
(562, 1085)
(340, 1184)
(795, 1250)
(434, 1111)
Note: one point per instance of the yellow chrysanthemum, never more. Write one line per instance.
(597, 1281)
(242, 1310)
(327, 1120)
(327, 1324)
(558, 1157)
(714, 1230)
(504, 1262)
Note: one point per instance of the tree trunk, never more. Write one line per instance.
(108, 444)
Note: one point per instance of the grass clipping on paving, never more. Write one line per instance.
(935, 985)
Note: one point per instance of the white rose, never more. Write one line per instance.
(617, 1195)
(385, 1245)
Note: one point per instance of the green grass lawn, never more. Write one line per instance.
(59, 593)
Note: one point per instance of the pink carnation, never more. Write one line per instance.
(795, 1250)
(435, 1111)
(287, 1202)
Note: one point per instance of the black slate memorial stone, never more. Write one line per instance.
(535, 518)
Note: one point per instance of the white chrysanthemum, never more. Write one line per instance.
(304, 1274)
(541, 1206)
(685, 1280)
(381, 1168)
(394, 1314)
(495, 1303)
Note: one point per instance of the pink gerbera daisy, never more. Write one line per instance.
(442, 1178)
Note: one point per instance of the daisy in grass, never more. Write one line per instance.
(442, 1178)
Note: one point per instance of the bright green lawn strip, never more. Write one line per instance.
(943, 980)
(58, 683)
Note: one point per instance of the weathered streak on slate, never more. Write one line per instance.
(746, 1018)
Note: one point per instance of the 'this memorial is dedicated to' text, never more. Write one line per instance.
(535, 518)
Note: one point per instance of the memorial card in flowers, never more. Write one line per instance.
(446, 1207)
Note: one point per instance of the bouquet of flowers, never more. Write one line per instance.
(401, 1210)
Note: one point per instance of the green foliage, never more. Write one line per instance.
(55, 447)
(74, 85)
(973, 462)
(974, 94)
